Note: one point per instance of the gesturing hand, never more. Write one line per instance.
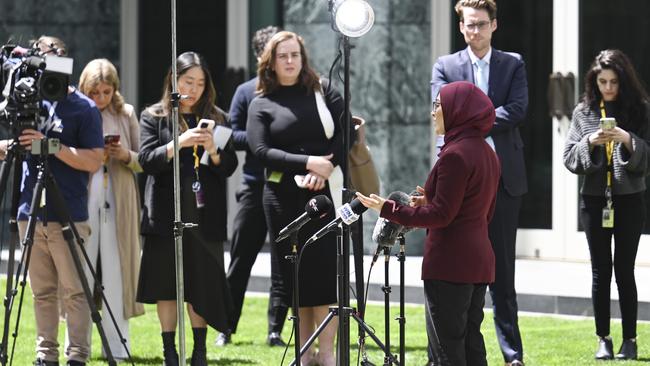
(416, 201)
(374, 202)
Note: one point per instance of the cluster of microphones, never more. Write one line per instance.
(384, 234)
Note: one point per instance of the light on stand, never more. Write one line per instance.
(353, 18)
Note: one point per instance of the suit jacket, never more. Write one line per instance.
(508, 90)
(158, 209)
(461, 191)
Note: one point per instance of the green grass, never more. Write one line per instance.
(547, 340)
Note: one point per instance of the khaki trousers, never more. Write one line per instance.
(51, 264)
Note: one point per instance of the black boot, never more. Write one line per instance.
(628, 350)
(605, 349)
(199, 357)
(169, 349)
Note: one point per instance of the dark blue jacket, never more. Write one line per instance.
(508, 90)
(253, 169)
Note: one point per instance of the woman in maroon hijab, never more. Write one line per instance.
(456, 206)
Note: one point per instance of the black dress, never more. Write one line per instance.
(283, 130)
(204, 276)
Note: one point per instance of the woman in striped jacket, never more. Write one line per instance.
(609, 144)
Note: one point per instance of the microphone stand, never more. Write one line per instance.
(293, 258)
(401, 319)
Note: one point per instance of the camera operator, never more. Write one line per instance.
(76, 122)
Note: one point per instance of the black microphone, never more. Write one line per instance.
(348, 213)
(318, 206)
(386, 231)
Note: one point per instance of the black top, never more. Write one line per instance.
(158, 209)
(296, 132)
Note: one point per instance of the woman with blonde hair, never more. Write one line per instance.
(113, 202)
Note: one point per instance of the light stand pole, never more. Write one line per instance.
(179, 226)
(343, 346)
(351, 18)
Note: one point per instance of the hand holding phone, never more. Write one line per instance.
(206, 123)
(110, 139)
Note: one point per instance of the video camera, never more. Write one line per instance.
(29, 76)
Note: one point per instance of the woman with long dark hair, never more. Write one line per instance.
(609, 144)
(204, 169)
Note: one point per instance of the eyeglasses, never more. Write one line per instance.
(473, 27)
(436, 104)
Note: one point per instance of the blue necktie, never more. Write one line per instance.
(481, 75)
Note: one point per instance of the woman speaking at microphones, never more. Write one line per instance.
(456, 208)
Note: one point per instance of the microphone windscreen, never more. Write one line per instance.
(318, 206)
(399, 197)
(386, 232)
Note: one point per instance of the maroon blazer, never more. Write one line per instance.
(461, 192)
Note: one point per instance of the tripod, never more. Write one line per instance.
(46, 182)
(343, 311)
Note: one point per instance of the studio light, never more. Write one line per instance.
(353, 18)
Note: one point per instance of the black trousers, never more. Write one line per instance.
(249, 235)
(629, 217)
(455, 313)
(502, 231)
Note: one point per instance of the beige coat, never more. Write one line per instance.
(127, 202)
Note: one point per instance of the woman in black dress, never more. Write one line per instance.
(202, 166)
(299, 152)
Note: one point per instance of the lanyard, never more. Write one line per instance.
(196, 185)
(609, 153)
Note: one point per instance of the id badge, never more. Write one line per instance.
(198, 194)
(608, 218)
(275, 177)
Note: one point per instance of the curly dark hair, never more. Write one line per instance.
(261, 37)
(632, 97)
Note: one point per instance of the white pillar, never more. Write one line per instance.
(568, 242)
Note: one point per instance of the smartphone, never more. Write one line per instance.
(607, 123)
(300, 181)
(111, 139)
(206, 123)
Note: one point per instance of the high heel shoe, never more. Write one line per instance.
(628, 350)
(605, 349)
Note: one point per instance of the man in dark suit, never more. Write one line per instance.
(502, 76)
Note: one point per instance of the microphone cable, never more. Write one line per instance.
(362, 342)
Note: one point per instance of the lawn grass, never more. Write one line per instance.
(547, 340)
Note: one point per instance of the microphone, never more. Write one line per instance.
(318, 206)
(386, 231)
(348, 213)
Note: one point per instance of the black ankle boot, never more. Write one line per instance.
(199, 357)
(605, 349)
(628, 350)
(169, 349)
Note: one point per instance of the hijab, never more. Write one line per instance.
(467, 112)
